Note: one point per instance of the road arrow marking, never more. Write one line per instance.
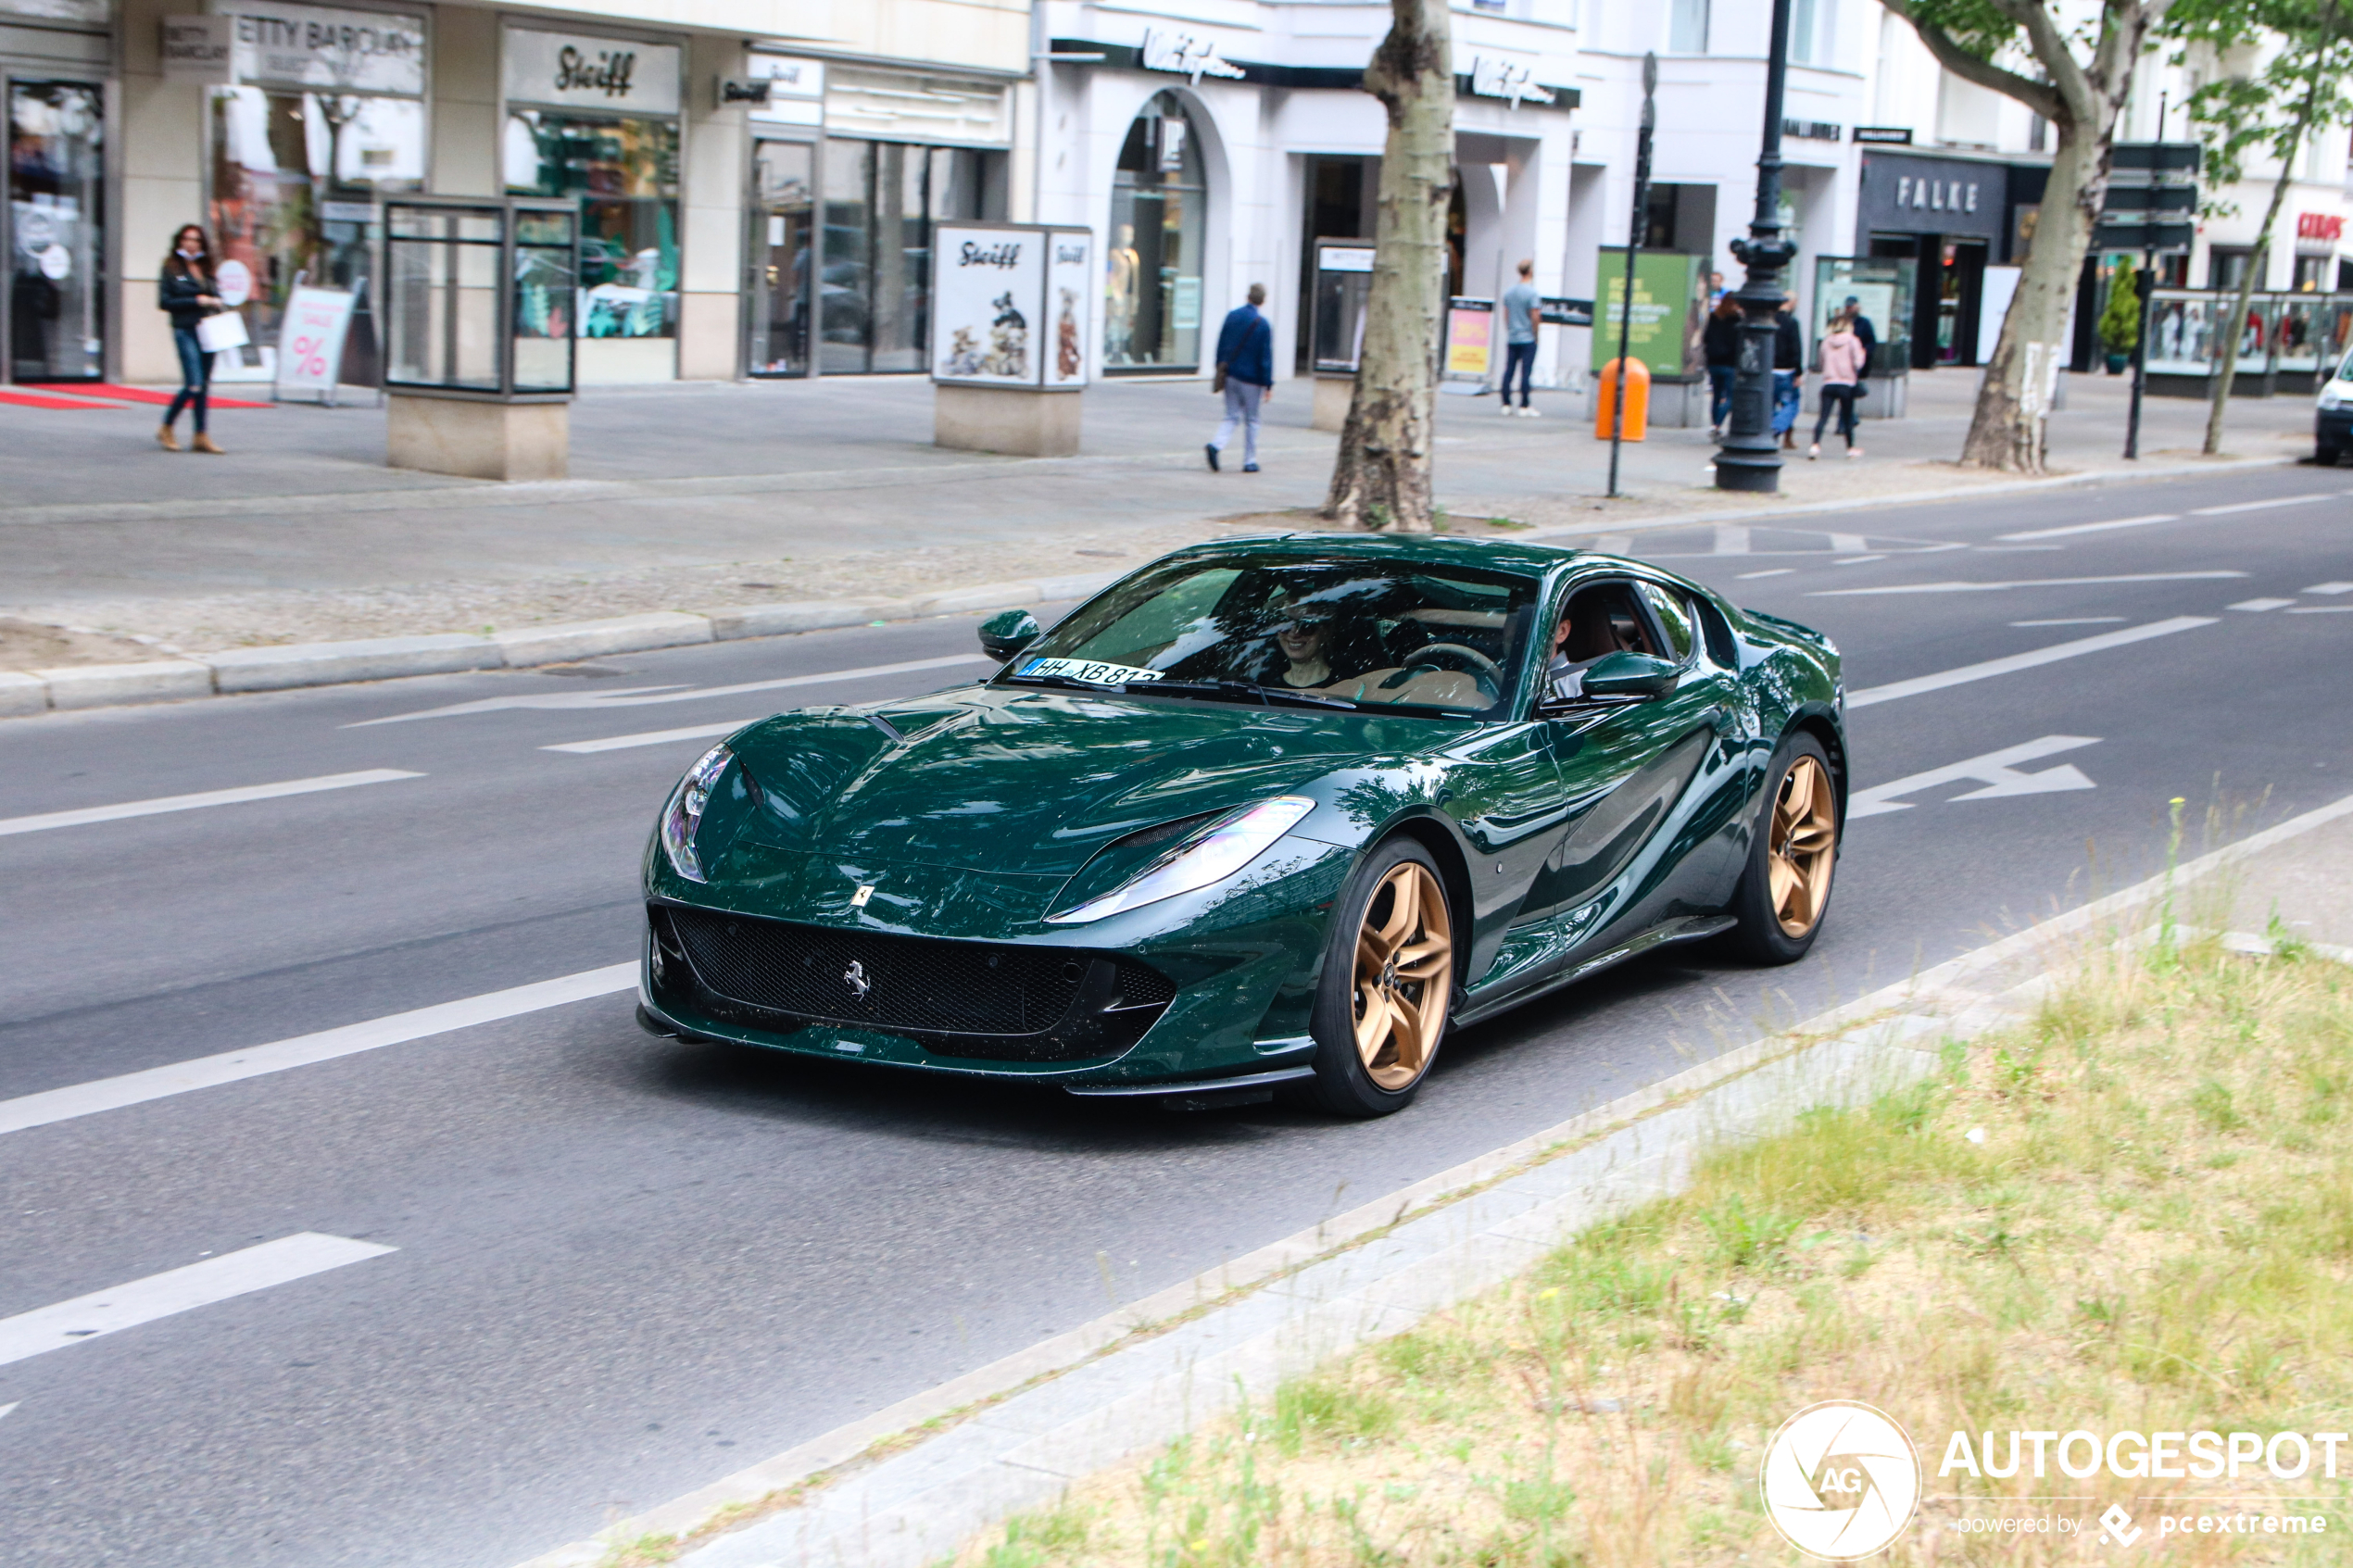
(177, 1290)
(1996, 771)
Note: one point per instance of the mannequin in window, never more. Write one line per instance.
(1119, 309)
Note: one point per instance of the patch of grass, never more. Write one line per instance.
(2151, 1229)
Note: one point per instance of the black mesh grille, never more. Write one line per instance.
(960, 999)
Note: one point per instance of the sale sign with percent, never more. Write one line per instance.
(311, 341)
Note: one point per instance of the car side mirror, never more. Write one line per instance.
(1007, 632)
(1629, 674)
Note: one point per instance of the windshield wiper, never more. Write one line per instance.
(1251, 689)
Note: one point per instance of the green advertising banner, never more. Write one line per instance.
(1668, 310)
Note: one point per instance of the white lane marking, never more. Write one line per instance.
(2258, 606)
(2324, 610)
(637, 696)
(1993, 770)
(1856, 560)
(2257, 505)
(2089, 527)
(192, 802)
(1730, 541)
(650, 737)
(52, 1105)
(6, 1407)
(1769, 572)
(1847, 544)
(2330, 588)
(2075, 620)
(2016, 661)
(1996, 769)
(1959, 587)
(1613, 545)
(178, 1290)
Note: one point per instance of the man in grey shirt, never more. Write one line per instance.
(1520, 338)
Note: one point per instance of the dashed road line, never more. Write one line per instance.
(178, 1290)
(2016, 661)
(2075, 620)
(2257, 506)
(638, 697)
(650, 737)
(52, 1105)
(2073, 528)
(1958, 586)
(237, 797)
(1769, 572)
(2258, 606)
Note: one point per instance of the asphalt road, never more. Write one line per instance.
(622, 1268)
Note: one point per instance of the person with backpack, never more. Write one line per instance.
(187, 290)
(1246, 376)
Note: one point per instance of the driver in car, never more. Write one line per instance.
(1565, 675)
(1301, 637)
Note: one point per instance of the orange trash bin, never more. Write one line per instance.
(1638, 400)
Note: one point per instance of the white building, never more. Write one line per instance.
(1209, 144)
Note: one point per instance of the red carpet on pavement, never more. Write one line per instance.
(149, 394)
(39, 400)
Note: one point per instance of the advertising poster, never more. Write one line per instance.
(1069, 274)
(1663, 331)
(310, 340)
(987, 287)
(1470, 338)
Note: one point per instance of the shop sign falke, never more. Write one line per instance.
(588, 71)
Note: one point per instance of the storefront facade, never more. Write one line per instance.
(286, 143)
(1964, 223)
(56, 73)
(1206, 159)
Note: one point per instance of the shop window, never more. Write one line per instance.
(2312, 273)
(2226, 265)
(295, 179)
(56, 313)
(783, 229)
(1152, 281)
(624, 171)
(881, 201)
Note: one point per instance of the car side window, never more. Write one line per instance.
(1674, 618)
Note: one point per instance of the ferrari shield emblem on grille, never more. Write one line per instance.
(857, 899)
(856, 975)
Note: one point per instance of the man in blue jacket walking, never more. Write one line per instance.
(1245, 374)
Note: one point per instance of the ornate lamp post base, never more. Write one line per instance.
(1749, 457)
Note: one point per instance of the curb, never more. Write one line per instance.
(910, 1484)
(74, 687)
(238, 671)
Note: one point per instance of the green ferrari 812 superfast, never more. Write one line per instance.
(1268, 816)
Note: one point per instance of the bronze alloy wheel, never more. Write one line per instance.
(1802, 847)
(1405, 976)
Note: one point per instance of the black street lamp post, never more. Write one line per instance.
(1748, 458)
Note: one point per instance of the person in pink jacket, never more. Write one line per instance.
(1844, 362)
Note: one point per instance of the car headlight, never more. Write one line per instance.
(683, 814)
(2332, 395)
(1209, 856)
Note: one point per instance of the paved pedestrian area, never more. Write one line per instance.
(703, 495)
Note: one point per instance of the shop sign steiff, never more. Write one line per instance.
(1494, 77)
(283, 45)
(1185, 54)
(196, 49)
(582, 70)
(795, 90)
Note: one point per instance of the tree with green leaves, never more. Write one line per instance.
(1381, 477)
(2075, 70)
(2277, 110)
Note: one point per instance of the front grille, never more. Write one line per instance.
(1009, 1002)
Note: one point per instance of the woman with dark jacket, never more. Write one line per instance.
(186, 291)
(1720, 339)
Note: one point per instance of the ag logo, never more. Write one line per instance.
(1841, 1481)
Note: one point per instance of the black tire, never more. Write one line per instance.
(1345, 1084)
(2326, 452)
(1763, 934)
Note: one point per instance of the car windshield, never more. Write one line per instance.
(1316, 630)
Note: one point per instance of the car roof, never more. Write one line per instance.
(1494, 555)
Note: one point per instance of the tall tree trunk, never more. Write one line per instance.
(1382, 479)
(2014, 400)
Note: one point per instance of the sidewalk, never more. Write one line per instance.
(701, 496)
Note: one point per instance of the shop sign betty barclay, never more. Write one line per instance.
(311, 46)
(571, 69)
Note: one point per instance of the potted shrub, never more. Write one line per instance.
(2121, 321)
